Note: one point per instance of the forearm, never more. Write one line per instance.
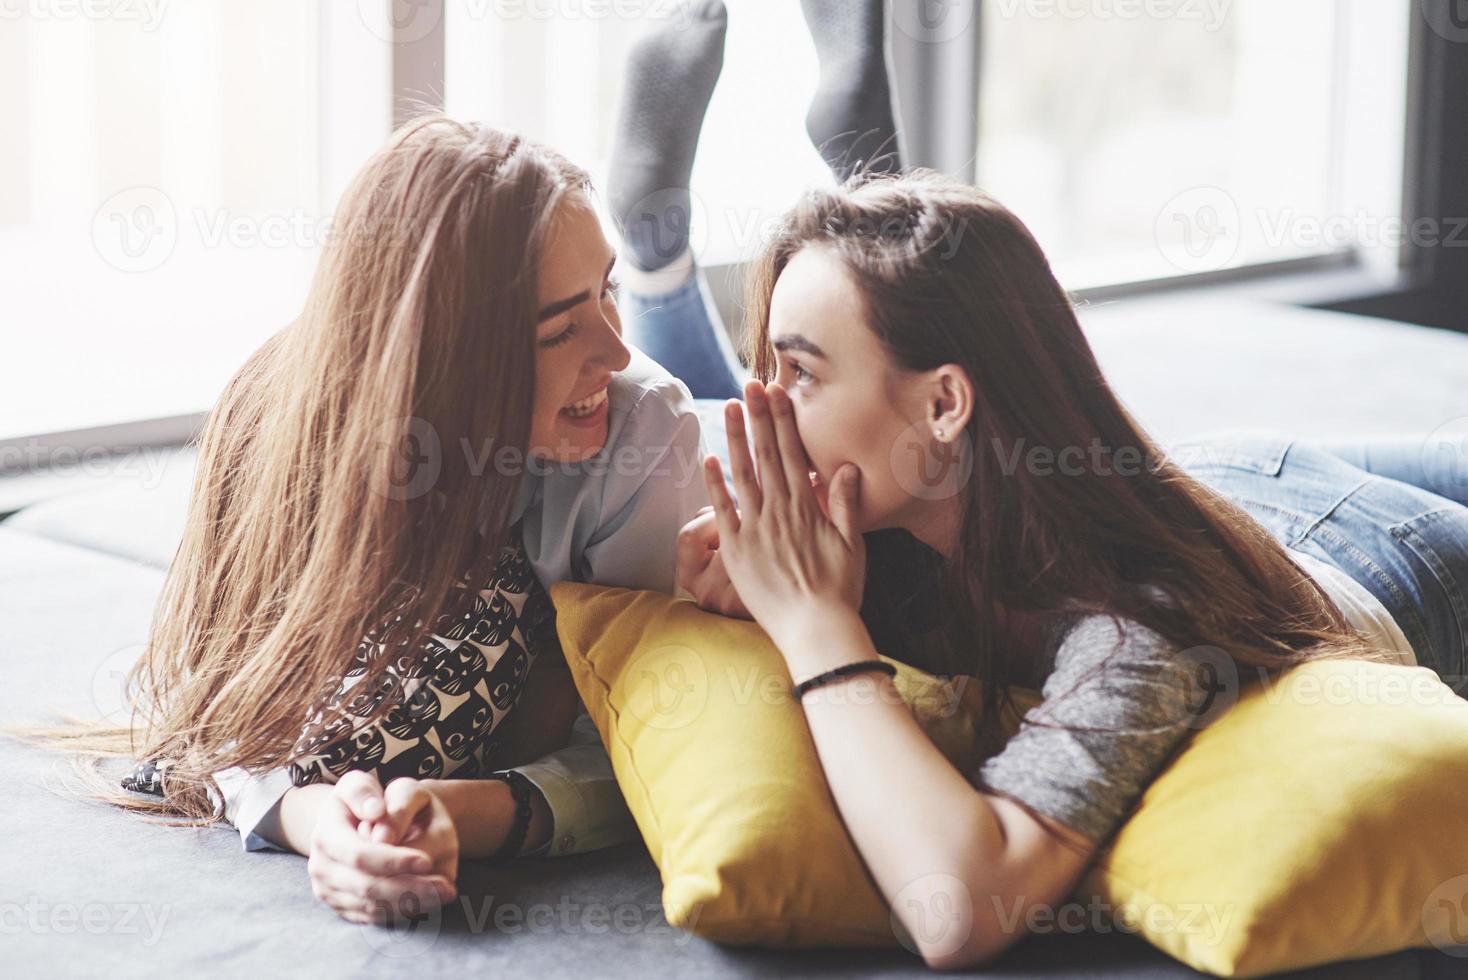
(299, 809)
(885, 773)
(483, 809)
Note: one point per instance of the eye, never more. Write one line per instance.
(801, 374)
(613, 284)
(564, 337)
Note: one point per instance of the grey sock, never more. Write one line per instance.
(670, 78)
(850, 119)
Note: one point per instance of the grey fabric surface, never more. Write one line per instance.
(86, 890)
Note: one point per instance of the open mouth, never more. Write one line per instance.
(586, 407)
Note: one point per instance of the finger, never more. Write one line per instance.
(768, 465)
(845, 502)
(425, 891)
(724, 512)
(405, 799)
(697, 541)
(792, 451)
(741, 464)
(350, 851)
(360, 790)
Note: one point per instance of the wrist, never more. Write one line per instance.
(483, 811)
(820, 640)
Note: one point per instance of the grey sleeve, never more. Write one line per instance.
(1137, 694)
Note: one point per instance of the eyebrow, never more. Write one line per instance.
(798, 342)
(562, 305)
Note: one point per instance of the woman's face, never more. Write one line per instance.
(852, 403)
(578, 338)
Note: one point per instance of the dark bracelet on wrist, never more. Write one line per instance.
(859, 666)
(520, 788)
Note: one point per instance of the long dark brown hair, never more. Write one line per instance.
(305, 529)
(949, 276)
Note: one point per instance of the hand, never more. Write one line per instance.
(700, 567)
(791, 564)
(358, 869)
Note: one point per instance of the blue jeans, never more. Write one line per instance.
(681, 331)
(1405, 543)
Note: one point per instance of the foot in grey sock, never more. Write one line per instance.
(850, 119)
(670, 77)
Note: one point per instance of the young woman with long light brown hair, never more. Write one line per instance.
(920, 371)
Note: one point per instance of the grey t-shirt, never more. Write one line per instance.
(1138, 696)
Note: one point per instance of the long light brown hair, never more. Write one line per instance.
(948, 275)
(302, 532)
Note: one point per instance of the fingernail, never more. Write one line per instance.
(372, 808)
(419, 864)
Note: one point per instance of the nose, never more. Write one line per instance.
(610, 349)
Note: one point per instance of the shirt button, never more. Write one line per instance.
(566, 843)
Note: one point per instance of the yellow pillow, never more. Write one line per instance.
(719, 770)
(1322, 818)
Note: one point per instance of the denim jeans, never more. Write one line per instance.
(680, 330)
(1405, 543)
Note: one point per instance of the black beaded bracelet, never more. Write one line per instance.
(520, 789)
(852, 668)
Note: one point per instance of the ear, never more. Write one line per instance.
(949, 401)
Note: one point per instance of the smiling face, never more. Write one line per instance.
(853, 403)
(578, 337)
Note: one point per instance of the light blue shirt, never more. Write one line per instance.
(612, 520)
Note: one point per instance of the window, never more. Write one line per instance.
(1140, 139)
(163, 192)
(554, 71)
